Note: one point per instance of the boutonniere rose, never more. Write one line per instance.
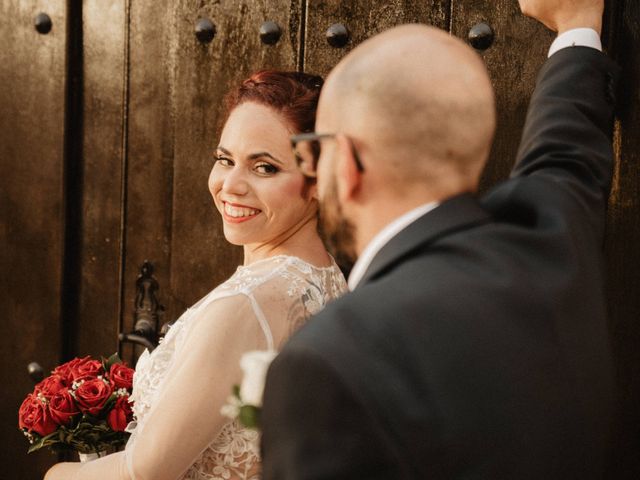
(245, 403)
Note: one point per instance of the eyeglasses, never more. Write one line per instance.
(306, 148)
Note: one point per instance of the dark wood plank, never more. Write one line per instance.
(32, 105)
(363, 18)
(622, 244)
(103, 114)
(149, 162)
(519, 49)
(200, 256)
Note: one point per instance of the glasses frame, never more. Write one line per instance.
(314, 136)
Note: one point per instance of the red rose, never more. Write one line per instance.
(121, 376)
(86, 369)
(34, 416)
(64, 370)
(63, 407)
(50, 386)
(121, 414)
(92, 395)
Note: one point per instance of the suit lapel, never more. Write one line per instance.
(458, 213)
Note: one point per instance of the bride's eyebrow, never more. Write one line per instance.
(257, 155)
(253, 156)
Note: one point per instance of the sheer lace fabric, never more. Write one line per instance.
(257, 308)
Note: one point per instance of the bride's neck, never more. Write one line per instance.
(304, 243)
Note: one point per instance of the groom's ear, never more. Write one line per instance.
(348, 175)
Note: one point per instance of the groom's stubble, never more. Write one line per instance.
(337, 232)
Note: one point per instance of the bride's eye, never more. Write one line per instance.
(266, 168)
(224, 161)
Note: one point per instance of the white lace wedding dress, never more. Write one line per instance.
(180, 387)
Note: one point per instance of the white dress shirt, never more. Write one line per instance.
(577, 37)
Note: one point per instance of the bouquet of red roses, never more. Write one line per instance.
(83, 406)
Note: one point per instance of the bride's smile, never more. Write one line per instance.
(236, 213)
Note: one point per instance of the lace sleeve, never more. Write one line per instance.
(184, 417)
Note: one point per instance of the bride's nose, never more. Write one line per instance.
(235, 182)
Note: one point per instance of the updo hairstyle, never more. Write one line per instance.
(293, 95)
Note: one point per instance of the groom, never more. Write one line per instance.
(474, 342)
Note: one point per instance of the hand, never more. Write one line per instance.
(63, 471)
(563, 15)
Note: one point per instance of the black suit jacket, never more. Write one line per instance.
(476, 344)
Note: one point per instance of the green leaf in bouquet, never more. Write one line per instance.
(108, 362)
(61, 448)
(88, 421)
(236, 391)
(63, 435)
(108, 405)
(249, 416)
(50, 442)
(46, 441)
(35, 446)
(80, 446)
(68, 437)
(85, 434)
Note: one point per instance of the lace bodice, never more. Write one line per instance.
(278, 294)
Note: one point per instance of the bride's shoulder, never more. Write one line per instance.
(247, 281)
(279, 271)
(282, 287)
(274, 279)
(249, 277)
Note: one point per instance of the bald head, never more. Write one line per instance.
(419, 101)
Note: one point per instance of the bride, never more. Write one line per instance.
(269, 208)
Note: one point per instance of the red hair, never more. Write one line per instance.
(294, 95)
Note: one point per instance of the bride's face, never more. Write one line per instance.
(255, 183)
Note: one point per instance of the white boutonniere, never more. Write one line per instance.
(245, 403)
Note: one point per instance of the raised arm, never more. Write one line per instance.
(568, 129)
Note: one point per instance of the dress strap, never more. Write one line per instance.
(263, 321)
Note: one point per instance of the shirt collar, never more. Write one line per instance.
(382, 238)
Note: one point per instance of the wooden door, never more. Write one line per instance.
(362, 19)
(105, 162)
(622, 244)
(100, 140)
(32, 212)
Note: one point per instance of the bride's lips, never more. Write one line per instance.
(237, 213)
